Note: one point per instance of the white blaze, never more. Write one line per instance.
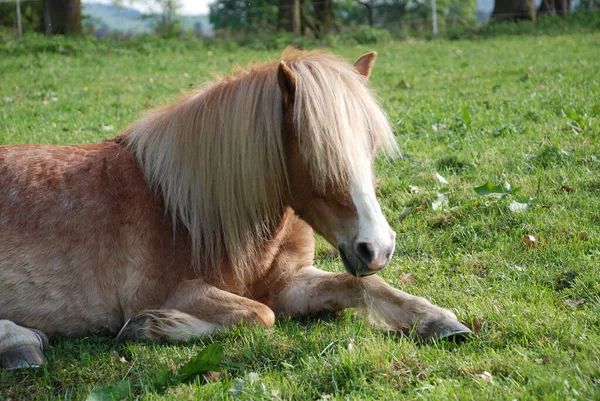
(373, 228)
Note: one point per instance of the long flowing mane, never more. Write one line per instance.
(217, 154)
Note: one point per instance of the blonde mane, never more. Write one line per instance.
(217, 155)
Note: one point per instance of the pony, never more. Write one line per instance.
(201, 215)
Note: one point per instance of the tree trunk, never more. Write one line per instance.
(554, 7)
(369, 6)
(296, 19)
(307, 21)
(289, 16)
(512, 10)
(62, 17)
(324, 14)
(285, 16)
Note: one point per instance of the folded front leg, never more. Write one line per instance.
(312, 290)
(195, 309)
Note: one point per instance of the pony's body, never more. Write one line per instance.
(88, 233)
(192, 220)
(101, 245)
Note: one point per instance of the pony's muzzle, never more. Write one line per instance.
(375, 253)
(367, 257)
(373, 256)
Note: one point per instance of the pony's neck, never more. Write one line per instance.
(217, 158)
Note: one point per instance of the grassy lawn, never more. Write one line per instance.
(522, 110)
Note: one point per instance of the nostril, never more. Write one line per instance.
(366, 252)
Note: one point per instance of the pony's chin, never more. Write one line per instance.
(354, 266)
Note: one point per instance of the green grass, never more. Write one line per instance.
(520, 109)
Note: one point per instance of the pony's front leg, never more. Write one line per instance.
(195, 309)
(312, 290)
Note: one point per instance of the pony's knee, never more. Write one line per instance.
(263, 315)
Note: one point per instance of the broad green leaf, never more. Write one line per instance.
(489, 189)
(575, 117)
(207, 359)
(466, 115)
(163, 377)
(405, 213)
(116, 392)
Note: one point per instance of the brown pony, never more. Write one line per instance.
(201, 215)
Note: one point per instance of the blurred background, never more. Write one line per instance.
(270, 23)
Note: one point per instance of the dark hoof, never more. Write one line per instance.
(23, 356)
(447, 330)
(135, 328)
(42, 337)
(128, 332)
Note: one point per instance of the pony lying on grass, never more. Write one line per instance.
(201, 215)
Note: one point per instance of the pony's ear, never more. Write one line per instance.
(287, 82)
(364, 64)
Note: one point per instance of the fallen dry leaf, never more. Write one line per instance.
(438, 127)
(574, 303)
(566, 188)
(407, 278)
(122, 359)
(419, 208)
(252, 377)
(476, 324)
(440, 179)
(529, 240)
(486, 377)
(542, 361)
(413, 189)
(351, 345)
(148, 103)
(441, 220)
(211, 376)
(518, 207)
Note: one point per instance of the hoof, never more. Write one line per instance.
(21, 347)
(25, 356)
(447, 330)
(135, 328)
(127, 332)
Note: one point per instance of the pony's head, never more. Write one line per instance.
(333, 129)
(229, 158)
